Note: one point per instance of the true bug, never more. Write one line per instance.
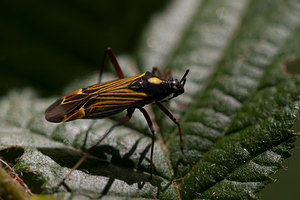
(106, 99)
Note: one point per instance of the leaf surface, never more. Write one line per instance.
(236, 113)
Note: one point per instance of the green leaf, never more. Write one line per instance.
(10, 189)
(236, 113)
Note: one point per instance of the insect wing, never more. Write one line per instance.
(67, 104)
(114, 101)
(96, 101)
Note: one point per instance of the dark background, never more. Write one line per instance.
(46, 45)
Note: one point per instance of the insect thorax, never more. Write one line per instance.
(157, 88)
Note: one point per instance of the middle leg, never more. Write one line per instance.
(168, 73)
(108, 52)
(150, 124)
(93, 148)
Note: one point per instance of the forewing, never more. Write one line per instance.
(96, 101)
(58, 111)
(113, 101)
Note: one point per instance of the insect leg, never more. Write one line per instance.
(108, 52)
(168, 73)
(87, 134)
(93, 148)
(165, 110)
(113, 59)
(155, 70)
(147, 117)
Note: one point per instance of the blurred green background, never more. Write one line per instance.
(47, 44)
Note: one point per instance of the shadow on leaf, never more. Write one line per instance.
(12, 154)
(118, 168)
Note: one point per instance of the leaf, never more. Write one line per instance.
(236, 113)
(9, 188)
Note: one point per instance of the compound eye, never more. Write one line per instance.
(176, 84)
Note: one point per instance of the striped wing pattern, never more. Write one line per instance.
(97, 101)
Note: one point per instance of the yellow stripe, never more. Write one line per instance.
(116, 102)
(114, 84)
(154, 80)
(116, 94)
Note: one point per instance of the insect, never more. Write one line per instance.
(108, 98)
